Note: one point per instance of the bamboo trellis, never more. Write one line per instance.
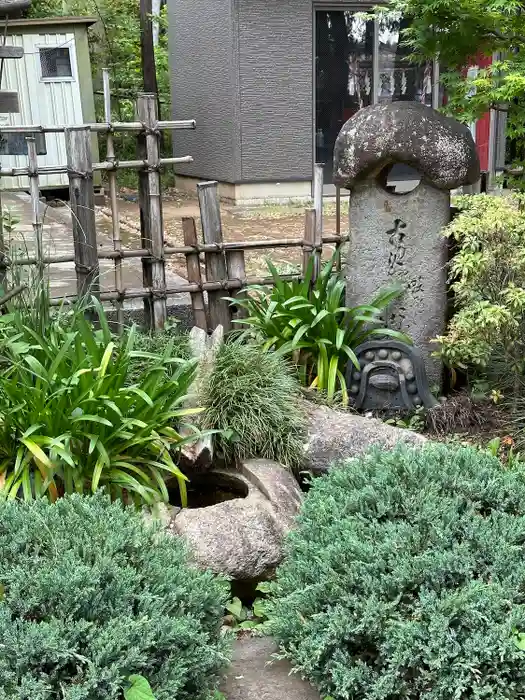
(224, 261)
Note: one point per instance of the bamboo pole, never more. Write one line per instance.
(309, 239)
(318, 196)
(219, 309)
(34, 192)
(82, 197)
(184, 250)
(105, 165)
(338, 222)
(151, 225)
(115, 216)
(98, 127)
(193, 267)
(139, 293)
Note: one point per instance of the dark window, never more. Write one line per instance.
(55, 63)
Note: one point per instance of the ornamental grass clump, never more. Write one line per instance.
(91, 596)
(405, 578)
(252, 399)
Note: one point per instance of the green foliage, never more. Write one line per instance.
(157, 344)
(71, 421)
(310, 323)
(487, 274)
(139, 689)
(404, 578)
(250, 618)
(413, 421)
(457, 31)
(252, 397)
(94, 600)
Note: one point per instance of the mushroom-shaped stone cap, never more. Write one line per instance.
(439, 147)
(11, 7)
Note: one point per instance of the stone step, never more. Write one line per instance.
(254, 676)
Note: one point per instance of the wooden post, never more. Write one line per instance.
(193, 267)
(81, 194)
(112, 183)
(151, 224)
(34, 191)
(338, 223)
(237, 271)
(318, 196)
(219, 309)
(309, 240)
(149, 73)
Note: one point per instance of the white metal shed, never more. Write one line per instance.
(54, 83)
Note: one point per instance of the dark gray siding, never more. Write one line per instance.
(275, 68)
(203, 83)
(244, 70)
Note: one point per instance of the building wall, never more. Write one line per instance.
(204, 86)
(57, 101)
(276, 83)
(276, 87)
(244, 70)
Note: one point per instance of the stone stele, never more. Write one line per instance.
(397, 238)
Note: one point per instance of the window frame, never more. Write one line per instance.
(70, 46)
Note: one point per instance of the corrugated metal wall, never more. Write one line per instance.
(55, 101)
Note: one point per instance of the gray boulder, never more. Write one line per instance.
(441, 148)
(337, 435)
(242, 538)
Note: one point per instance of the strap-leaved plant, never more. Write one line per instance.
(71, 420)
(310, 322)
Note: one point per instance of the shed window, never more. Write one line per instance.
(55, 63)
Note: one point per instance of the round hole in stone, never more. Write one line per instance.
(210, 488)
(398, 178)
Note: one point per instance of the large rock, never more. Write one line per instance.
(441, 148)
(242, 538)
(336, 435)
(255, 676)
(396, 233)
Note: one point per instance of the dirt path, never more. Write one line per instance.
(239, 223)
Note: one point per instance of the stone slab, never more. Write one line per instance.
(254, 676)
(399, 239)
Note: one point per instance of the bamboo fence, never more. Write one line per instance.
(224, 261)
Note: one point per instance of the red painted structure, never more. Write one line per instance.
(483, 134)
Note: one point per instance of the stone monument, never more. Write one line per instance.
(397, 238)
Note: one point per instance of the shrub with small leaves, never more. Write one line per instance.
(94, 603)
(487, 331)
(405, 578)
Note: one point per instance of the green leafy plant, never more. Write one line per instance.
(414, 421)
(310, 323)
(138, 689)
(99, 605)
(249, 618)
(157, 343)
(70, 421)
(504, 449)
(486, 335)
(404, 577)
(252, 399)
